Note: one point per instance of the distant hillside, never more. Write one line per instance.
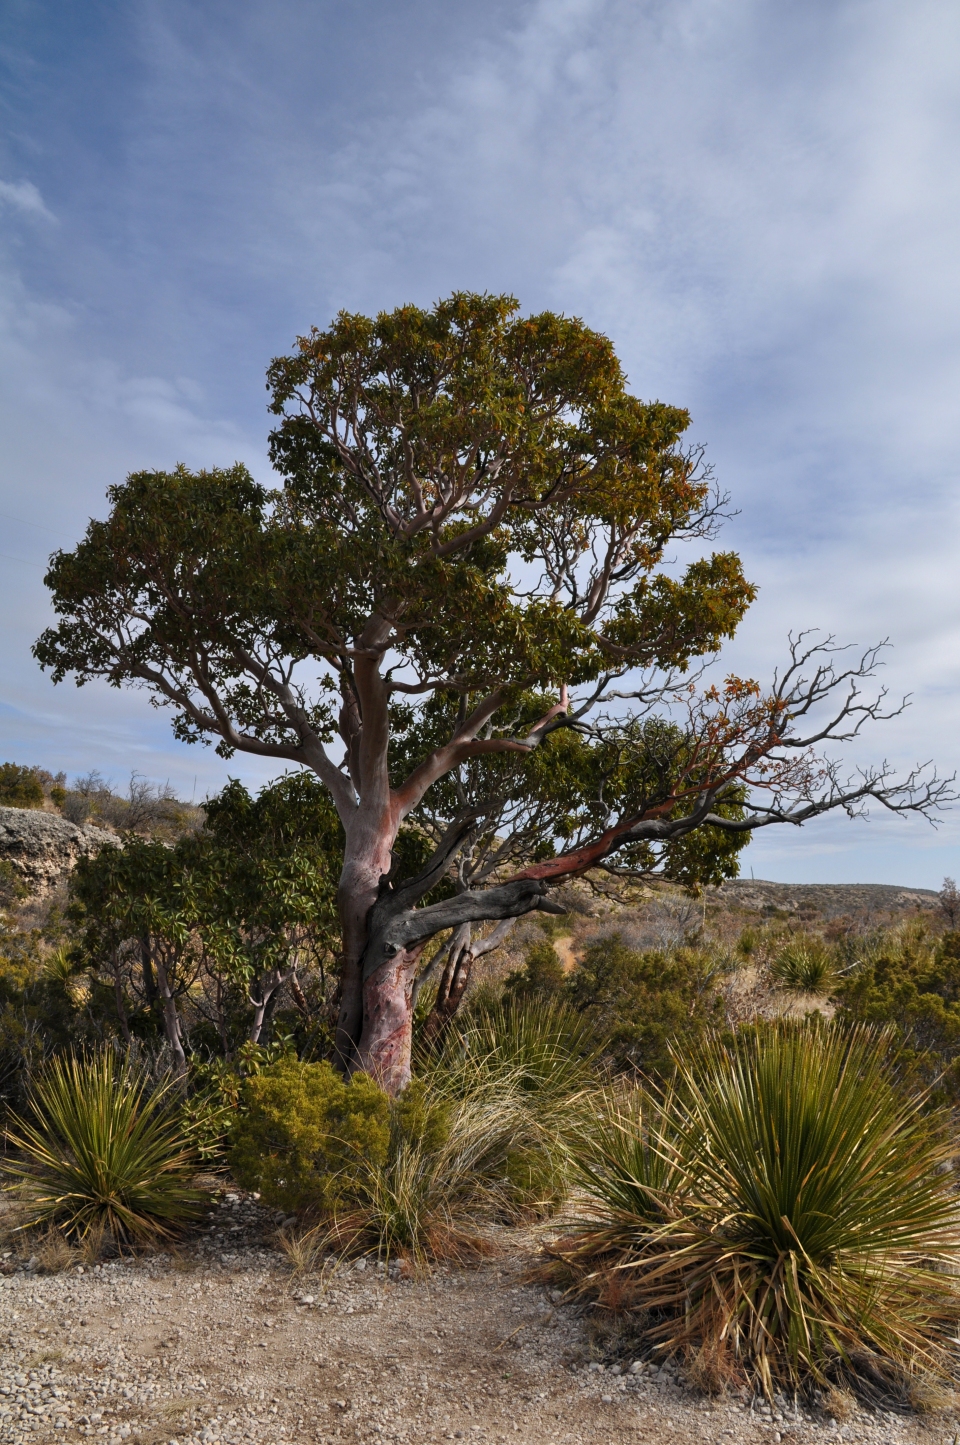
(823, 900)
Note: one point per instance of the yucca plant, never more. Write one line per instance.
(805, 966)
(624, 1159)
(104, 1150)
(808, 1220)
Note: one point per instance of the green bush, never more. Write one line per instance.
(304, 1134)
(786, 1212)
(19, 787)
(638, 1004)
(909, 983)
(541, 976)
(103, 1151)
(480, 1136)
(533, 1060)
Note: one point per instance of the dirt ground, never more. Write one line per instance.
(223, 1342)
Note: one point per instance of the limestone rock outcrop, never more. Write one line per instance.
(44, 847)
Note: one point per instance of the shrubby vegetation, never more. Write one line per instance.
(103, 1150)
(908, 981)
(144, 808)
(177, 1009)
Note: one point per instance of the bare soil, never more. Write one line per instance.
(223, 1342)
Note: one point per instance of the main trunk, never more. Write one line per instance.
(387, 1038)
(367, 859)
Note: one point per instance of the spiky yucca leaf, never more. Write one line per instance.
(809, 1225)
(805, 966)
(103, 1150)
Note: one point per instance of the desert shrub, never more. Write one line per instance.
(540, 1045)
(303, 1134)
(637, 1004)
(147, 809)
(40, 1010)
(13, 890)
(541, 976)
(805, 966)
(910, 984)
(103, 1149)
(433, 1195)
(787, 1209)
(20, 787)
(748, 943)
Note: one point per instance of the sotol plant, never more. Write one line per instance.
(805, 966)
(103, 1151)
(786, 1211)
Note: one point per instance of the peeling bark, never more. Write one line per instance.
(385, 1049)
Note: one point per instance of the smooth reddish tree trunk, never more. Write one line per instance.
(366, 1022)
(387, 1039)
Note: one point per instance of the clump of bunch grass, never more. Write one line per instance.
(103, 1153)
(805, 966)
(784, 1211)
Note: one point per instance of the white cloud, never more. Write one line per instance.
(24, 196)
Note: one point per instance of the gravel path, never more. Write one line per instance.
(223, 1343)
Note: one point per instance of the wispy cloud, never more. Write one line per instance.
(24, 196)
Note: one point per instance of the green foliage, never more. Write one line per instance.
(910, 983)
(42, 1008)
(20, 787)
(622, 1164)
(12, 888)
(216, 567)
(785, 1211)
(540, 1046)
(224, 914)
(748, 943)
(640, 1005)
(434, 1192)
(548, 798)
(421, 453)
(103, 1150)
(805, 966)
(304, 1134)
(541, 976)
(533, 1059)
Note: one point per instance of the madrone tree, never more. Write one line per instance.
(457, 610)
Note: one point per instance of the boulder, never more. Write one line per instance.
(44, 847)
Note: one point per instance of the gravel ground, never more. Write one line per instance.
(223, 1343)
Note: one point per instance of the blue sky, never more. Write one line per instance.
(759, 202)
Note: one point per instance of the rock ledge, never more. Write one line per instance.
(43, 847)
